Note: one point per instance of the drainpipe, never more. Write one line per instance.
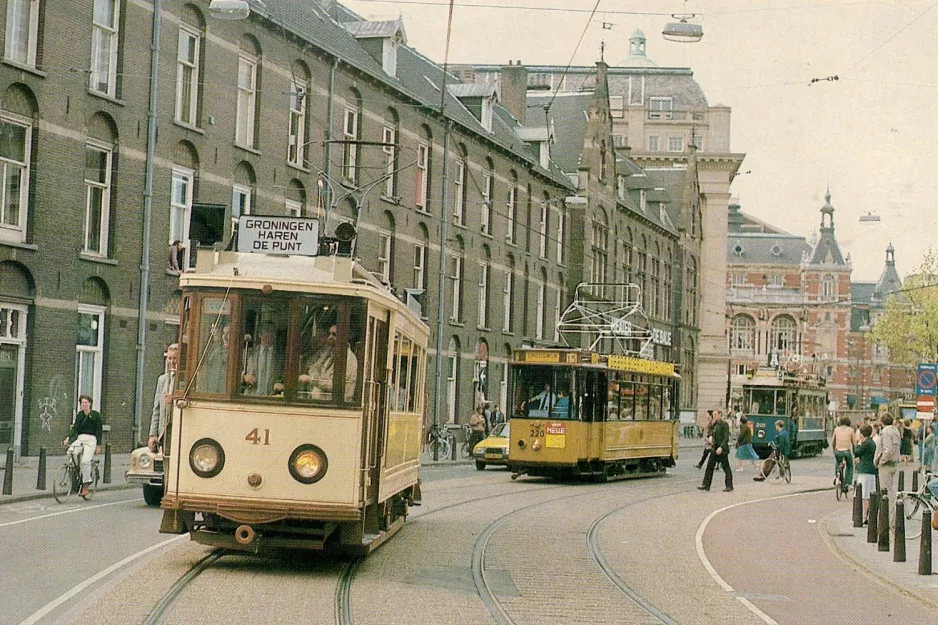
(328, 155)
(145, 234)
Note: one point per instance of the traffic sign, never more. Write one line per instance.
(926, 382)
(925, 403)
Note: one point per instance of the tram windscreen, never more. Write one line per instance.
(544, 392)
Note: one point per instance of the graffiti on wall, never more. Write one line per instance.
(52, 402)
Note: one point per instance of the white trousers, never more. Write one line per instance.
(84, 446)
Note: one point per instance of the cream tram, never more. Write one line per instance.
(298, 412)
(583, 414)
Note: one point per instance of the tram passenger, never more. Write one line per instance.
(263, 373)
(543, 400)
(561, 406)
(212, 378)
(162, 398)
(318, 368)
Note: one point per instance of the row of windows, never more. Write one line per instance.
(782, 336)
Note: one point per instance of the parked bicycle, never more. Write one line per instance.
(841, 487)
(438, 442)
(922, 499)
(68, 476)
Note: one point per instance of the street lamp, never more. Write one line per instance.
(683, 31)
(233, 9)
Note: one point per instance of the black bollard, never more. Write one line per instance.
(41, 475)
(924, 551)
(878, 487)
(882, 529)
(873, 517)
(898, 548)
(8, 474)
(107, 463)
(901, 480)
(452, 448)
(858, 506)
(914, 481)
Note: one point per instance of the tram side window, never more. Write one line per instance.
(612, 401)
(781, 403)
(654, 402)
(182, 375)
(212, 360)
(263, 351)
(762, 401)
(544, 392)
(417, 374)
(331, 337)
(627, 403)
(595, 390)
(641, 398)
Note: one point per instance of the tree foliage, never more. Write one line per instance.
(909, 326)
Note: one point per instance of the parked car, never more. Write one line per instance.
(492, 449)
(146, 468)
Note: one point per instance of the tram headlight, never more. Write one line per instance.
(206, 458)
(308, 464)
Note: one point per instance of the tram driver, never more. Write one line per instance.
(263, 370)
(318, 368)
(542, 402)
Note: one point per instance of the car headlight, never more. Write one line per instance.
(308, 464)
(144, 461)
(206, 458)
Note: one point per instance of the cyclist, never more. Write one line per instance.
(85, 436)
(782, 440)
(866, 470)
(842, 442)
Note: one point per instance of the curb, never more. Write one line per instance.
(47, 494)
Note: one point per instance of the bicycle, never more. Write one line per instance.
(840, 486)
(784, 468)
(439, 443)
(913, 501)
(68, 476)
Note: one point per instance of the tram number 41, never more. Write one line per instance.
(255, 437)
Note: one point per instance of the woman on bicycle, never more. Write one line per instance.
(842, 442)
(85, 434)
(866, 470)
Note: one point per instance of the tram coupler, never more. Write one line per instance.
(518, 474)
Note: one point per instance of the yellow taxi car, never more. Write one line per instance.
(493, 449)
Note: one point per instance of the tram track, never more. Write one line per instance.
(156, 614)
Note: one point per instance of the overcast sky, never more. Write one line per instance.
(871, 136)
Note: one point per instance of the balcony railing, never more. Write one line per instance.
(741, 294)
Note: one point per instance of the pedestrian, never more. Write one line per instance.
(928, 456)
(162, 399)
(887, 461)
(497, 415)
(842, 442)
(866, 470)
(85, 438)
(708, 440)
(476, 427)
(720, 432)
(744, 450)
(907, 440)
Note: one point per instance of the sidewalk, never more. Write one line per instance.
(850, 544)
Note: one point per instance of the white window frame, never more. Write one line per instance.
(512, 212)
(293, 208)
(350, 129)
(423, 170)
(180, 208)
(661, 108)
(459, 193)
(96, 351)
(507, 295)
(643, 199)
(389, 56)
(654, 143)
(246, 107)
(16, 232)
(389, 136)
(104, 44)
(557, 315)
(540, 322)
(187, 76)
(104, 187)
(488, 107)
(420, 265)
(20, 43)
(384, 255)
(545, 218)
(456, 277)
(561, 225)
(827, 287)
(675, 143)
(297, 143)
(486, 218)
(484, 268)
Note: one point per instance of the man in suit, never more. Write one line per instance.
(263, 371)
(720, 431)
(317, 370)
(163, 399)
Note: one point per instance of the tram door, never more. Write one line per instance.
(375, 424)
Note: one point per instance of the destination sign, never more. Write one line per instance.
(637, 365)
(278, 235)
(546, 356)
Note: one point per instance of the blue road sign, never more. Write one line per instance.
(926, 382)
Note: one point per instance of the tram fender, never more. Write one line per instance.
(173, 522)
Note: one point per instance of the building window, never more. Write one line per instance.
(667, 288)
(384, 255)
(600, 245)
(660, 108)
(22, 32)
(104, 40)
(561, 224)
(488, 182)
(180, 208)
(557, 303)
(827, 287)
(350, 155)
(15, 146)
(512, 210)
(542, 231)
(423, 175)
(187, 76)
(241, 200)
(602, 160)
(655, 294)
(675, 143)
(540, 321)
(743, 333)
(389, 138)
(459, 193)
(420, 264)
(738, 278)
(297, 143)
(294, 208)
(247, 100)
(776, 280)
(389, 56)
(97, 198)
(653, 141)
(89, 352)
(484, 269)
(508, 298)
(456, 277)
(783, 334)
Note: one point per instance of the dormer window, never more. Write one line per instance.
(620, 187)
(389, 56)
(643, 199)
(738, 249)
(380, 40)
(776, 250)
(488, 104)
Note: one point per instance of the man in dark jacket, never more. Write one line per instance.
(720, 431)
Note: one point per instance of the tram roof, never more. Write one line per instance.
(584, 357)
(781, 378)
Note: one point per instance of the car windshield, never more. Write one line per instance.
(500, 430)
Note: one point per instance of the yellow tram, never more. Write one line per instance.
(583, 414)
(297, 418)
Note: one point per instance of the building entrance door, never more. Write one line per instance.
(8, 393)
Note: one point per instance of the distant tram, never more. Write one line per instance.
(581, 414)
(298, 413)
(798, 400)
